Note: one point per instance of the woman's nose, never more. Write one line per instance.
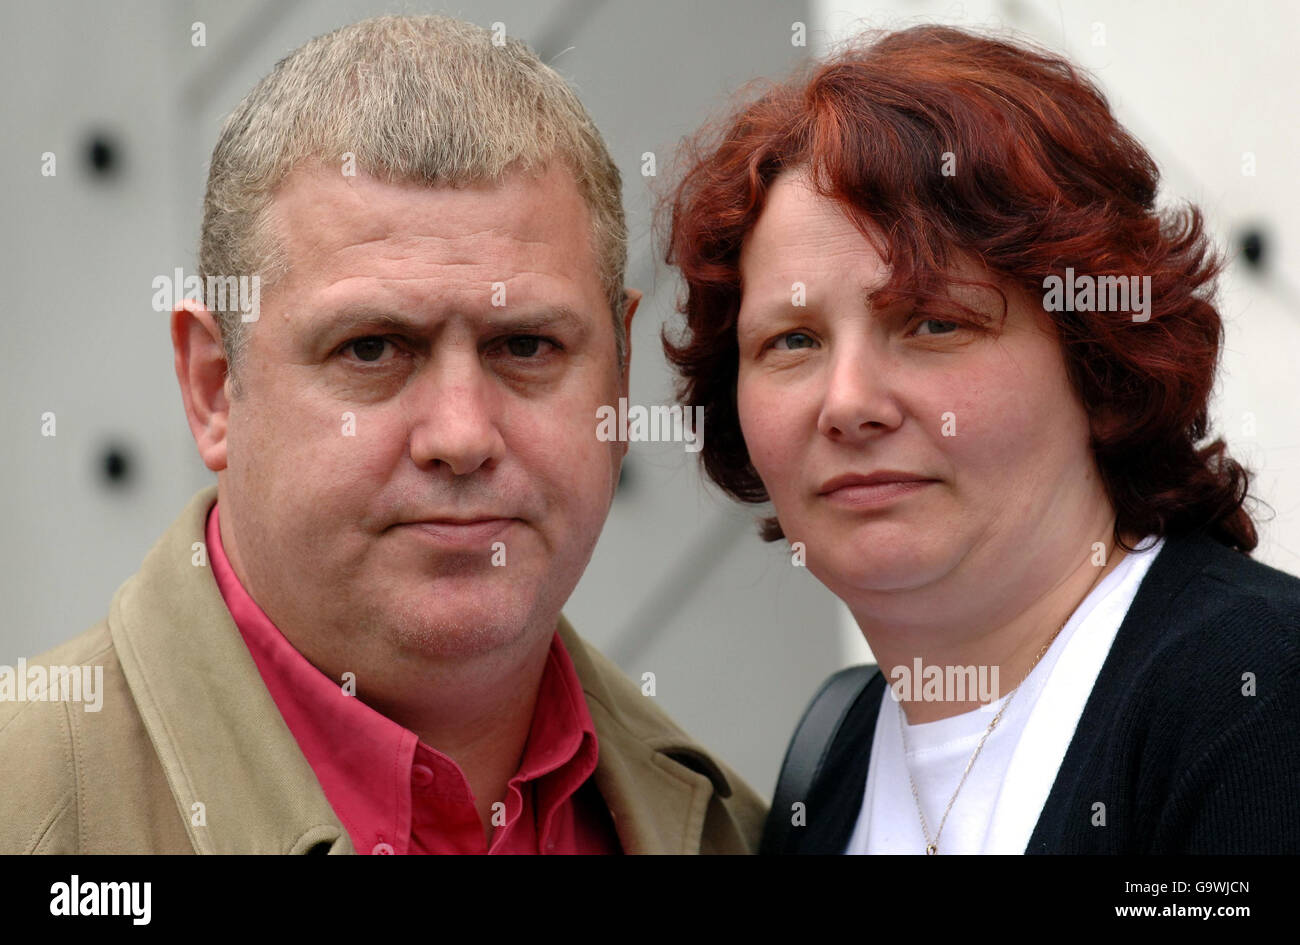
(857, 401)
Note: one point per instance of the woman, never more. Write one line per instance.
(935, 318)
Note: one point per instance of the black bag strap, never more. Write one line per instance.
(808, 749)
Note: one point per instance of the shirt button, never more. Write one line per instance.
(422, 775)
(383, 849)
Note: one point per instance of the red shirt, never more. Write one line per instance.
(395, 794)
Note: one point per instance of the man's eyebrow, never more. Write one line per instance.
(354, 319)
(385, 320)
(540, 319)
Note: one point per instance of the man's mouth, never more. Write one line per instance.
(475, 533)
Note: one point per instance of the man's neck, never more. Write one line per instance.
(477, 711)
(478, 715)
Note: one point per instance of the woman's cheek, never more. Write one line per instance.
(765, 434)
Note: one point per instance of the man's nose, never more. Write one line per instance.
(858, 400)
(456, 411)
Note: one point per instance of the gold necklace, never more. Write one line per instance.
(932, 846)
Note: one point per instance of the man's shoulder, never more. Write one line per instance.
(38, 781)
(31, 710)
(75, 748)
(631, 707)
(629, 722)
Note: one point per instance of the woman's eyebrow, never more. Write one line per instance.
(759, 312)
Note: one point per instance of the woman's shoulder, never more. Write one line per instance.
(1209, 625)
(1239, 576)
(1194, 710)
(1202, 594)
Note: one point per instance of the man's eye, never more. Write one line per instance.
(369, 349)
(523, 346)
(940, 327)
(793, 340)
(527, 347)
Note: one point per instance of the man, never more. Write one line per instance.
(354, 642)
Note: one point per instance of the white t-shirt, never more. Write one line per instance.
(999, 805)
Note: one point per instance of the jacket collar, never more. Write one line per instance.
(656, 781)
(216, 729)
(207, 712)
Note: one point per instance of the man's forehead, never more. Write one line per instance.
(318, 207)
(527, 229)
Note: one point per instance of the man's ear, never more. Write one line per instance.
(633, 298)
(629, 309)
(202, 372)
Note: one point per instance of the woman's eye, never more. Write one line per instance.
(369, 349)
(793, 340)
(940, 327)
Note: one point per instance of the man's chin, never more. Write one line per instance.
(433, 630)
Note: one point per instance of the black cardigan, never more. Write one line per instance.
(1183, 761)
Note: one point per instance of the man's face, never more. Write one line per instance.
(434, 355)
(987, 420)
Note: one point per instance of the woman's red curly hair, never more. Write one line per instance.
(1045, 178)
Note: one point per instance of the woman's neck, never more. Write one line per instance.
(1000, 638)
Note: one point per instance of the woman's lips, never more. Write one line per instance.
(861, 495)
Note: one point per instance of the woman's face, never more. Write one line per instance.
(986, 423)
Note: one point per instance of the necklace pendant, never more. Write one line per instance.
(931, 849)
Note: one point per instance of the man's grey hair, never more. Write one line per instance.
(422, 99)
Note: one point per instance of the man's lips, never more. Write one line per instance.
(459, 532)
(856, 491)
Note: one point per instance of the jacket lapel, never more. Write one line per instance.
(655, 780)
(218, 734)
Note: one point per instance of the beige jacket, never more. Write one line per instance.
(186, 720)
